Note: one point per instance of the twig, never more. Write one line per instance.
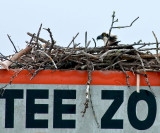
(120, 46)
(35, 73)
(114, 50)
(40, 39)
(145, 75)
(5, 64)
(12, 43)
(114, 64)
(48, 57)
(32, 38)
(87, 93)
(85, 40)
(127, 76)
(90, 55)
(2, 89)
(156, 43)
(126, 26)
(93, 111)
(17, 63)
(88, 44)
(38, 35)
(113, 21)
(155, 56)
(52, 40)
(146, 49)
(75, 45)
(95, 45)
(73, 40)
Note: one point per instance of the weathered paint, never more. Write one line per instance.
(51, 82)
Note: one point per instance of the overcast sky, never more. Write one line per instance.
(67, 17)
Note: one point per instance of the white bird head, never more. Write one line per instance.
(112, 39)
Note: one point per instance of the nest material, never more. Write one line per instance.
(120, 58)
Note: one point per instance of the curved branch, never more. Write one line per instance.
(126, 26)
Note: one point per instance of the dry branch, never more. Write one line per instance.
(73, 39)
(127, 26)
(16, 51)
(2, 89)
(156, 43)
(5, 64)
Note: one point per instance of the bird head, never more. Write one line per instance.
(105, 37)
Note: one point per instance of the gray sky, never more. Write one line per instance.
(67, 17)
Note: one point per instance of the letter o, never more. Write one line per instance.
(149, 98)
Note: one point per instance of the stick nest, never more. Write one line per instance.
(45, 55)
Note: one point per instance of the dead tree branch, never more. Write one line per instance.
(73, 40)
(38, 35)
(2, 89)
(156, 43)
(127, 26)
(52, 40)
(16, 51)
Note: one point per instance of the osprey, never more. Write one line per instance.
(112, 39)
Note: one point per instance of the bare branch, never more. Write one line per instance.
(48, 57)
(126, 26)
(16, 51)
(127, 76)
(156, 43)
(95, 45)
(2, 89)
(52, 40)
(73, 40)
(38, 35)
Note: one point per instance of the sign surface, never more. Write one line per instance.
(53, 102)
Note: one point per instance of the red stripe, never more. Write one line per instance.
(74, 77)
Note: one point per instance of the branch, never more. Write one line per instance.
(156, 43)
(40, 39)
(126, 26)
(85, 40)
(43, 40)
(95, 45)
(90, 55)
(38, 35)
(73, 40)
(52, 40)
(32, 38)
(5, 64)
(114, 64)
(87, 93)
(12, 43)
(48, 57)
(35, 73)
(127, 76)
(113, 21)
(145, 75)
(2, 89)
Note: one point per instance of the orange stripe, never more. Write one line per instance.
(74, 77)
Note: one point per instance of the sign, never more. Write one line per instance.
(53, 101)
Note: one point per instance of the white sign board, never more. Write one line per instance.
(42, 108)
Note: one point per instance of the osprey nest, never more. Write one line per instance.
(41, 55)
